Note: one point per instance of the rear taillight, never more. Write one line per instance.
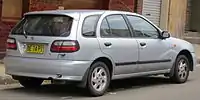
(11, 44)
(64, 46)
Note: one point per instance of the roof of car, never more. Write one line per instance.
(64, 12)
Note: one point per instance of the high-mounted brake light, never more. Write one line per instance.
(65, 46)
(11, 44)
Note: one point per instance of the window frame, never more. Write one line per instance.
(95, 27)
(126, 22)
(132, 29)
(108, 27)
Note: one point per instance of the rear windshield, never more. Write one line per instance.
(44, 25)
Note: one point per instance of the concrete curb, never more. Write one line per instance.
(4, 80)
(1, 61)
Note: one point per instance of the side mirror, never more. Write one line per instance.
(165, 34)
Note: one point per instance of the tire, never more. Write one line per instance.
(181, 70)
(30, 82)
(102, 81)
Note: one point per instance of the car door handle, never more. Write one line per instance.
(107, 44)
(143, 44)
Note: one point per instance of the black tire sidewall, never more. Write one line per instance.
(92, 91)
(176, 77)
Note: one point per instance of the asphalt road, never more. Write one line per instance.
(149, 88)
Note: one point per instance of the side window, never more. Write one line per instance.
(142, 28)
(105, 30)
(115, 26)
(89, 26)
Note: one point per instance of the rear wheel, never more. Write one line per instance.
(98, 79)
(181, 70)
(30, 82)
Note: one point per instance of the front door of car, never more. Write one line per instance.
(154, 52)
(116, 41)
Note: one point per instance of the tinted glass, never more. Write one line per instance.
(89, 26)
(44, 25)
(142, 28)
(118, 26)
(105, 30)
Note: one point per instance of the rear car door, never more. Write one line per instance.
(154, 52)
(116, 41)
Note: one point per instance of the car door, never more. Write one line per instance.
(154, 52)
(116, 41)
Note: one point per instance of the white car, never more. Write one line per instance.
(93, 47)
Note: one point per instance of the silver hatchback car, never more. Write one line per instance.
(93, 47)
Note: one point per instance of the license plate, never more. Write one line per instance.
(35, 48)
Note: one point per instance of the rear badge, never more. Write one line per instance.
(24, 46)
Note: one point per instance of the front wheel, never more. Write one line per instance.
(181, 69)
(30, 82)
(98, 79)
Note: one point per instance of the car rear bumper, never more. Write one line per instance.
(46, 69)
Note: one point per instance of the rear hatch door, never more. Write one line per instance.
(35, 34)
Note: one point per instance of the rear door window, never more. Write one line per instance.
(44, 25)
(114, 26)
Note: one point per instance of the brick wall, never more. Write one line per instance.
(5, 28)
(124, 5)
(39, 5)
(105, 4)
